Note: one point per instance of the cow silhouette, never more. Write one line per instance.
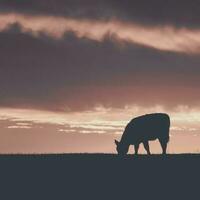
(142, 129)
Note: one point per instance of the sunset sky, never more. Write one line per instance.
(73, 73)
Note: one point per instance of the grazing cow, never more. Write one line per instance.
(143, 129)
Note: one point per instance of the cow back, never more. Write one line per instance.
(147, 127)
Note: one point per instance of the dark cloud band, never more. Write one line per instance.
(165, 38)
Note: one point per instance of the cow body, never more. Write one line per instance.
(143, 129)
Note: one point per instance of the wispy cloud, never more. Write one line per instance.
(99, 120)
(165, 38)
(18, 126)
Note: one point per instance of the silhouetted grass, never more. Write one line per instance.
(80, 157)
(100, 176)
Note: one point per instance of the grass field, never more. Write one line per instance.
(100, 176)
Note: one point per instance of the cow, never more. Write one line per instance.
(143, 129)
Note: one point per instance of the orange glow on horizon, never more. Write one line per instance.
(89, 131)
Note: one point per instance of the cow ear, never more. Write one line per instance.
(116, 142)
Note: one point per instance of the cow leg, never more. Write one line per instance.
(146, 146)
(136, 146)
(163, 144)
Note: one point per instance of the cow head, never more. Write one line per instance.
(121, 148)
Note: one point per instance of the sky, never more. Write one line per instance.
(73, 73)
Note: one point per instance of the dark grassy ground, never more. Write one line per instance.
(100, 176)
